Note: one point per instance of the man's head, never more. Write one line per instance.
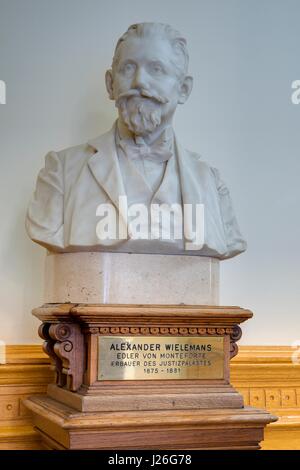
(149, 76)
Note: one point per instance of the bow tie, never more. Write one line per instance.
(160, 151)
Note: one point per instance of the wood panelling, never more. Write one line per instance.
(265, 375)
(269, 377)
(25, 373)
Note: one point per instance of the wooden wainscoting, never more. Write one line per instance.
(265, 375)
(25, 373)
(268, 377)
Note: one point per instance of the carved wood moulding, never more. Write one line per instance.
(158, 330)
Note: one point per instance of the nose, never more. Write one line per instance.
(141, 79)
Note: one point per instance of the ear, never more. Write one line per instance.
(109, 84)
(185, 89)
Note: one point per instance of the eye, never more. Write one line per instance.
(156, 68)
(128, 69)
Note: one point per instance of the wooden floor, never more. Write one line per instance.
(265, 375)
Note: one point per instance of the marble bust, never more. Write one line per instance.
(138, 164)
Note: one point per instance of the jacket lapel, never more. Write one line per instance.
(198, 187)
(104, 165)
(188, 170)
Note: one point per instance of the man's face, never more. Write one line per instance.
(145, 84)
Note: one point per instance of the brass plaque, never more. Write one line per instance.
(160, 357)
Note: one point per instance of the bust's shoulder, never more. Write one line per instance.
(80, 153)
(201, 163)
(75, 153)
(203, 170)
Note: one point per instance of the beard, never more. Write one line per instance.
(140, 114)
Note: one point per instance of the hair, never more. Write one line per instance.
(178, 43)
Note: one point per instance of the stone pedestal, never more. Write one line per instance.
(180, 402)
(124, 278)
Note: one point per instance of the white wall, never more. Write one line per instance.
(244, 54)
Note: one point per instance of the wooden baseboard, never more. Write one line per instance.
(265, 375)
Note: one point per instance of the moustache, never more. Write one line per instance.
(142, 94)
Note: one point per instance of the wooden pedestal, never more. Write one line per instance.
(85, 409)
